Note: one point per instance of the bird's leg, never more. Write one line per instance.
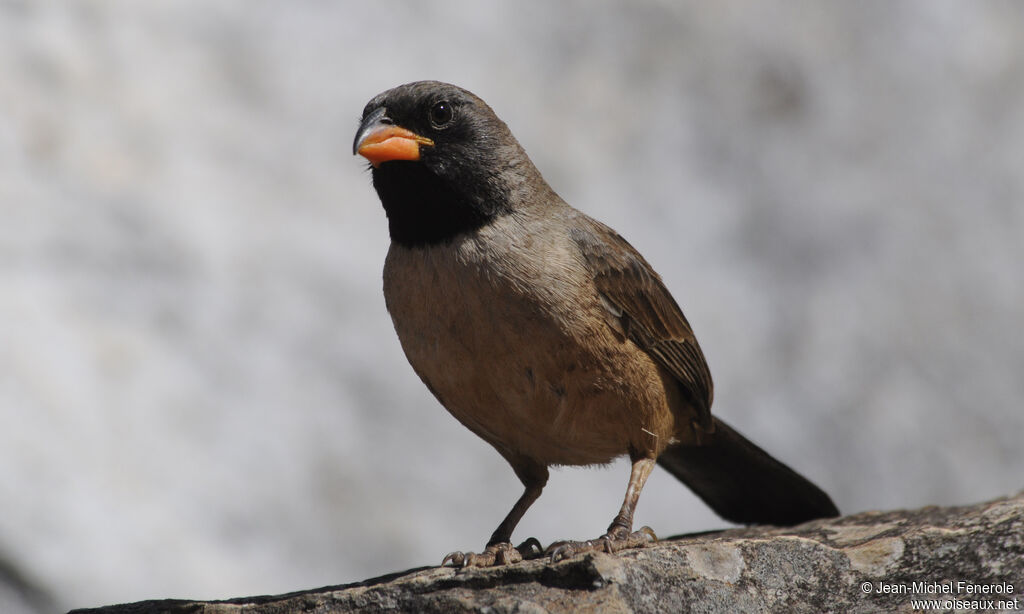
(499, 549)
(619, 535)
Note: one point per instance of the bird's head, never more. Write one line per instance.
(442, 161)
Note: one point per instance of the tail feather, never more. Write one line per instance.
(743, 483)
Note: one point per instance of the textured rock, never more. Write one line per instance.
(869, 562)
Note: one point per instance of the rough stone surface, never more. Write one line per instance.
(868, 562)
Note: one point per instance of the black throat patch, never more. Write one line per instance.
(423, 209)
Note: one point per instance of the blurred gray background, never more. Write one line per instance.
(201, 394)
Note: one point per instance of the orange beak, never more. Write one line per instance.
(379, 141)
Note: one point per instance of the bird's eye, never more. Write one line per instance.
(441, 114)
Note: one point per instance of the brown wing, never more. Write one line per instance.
(640, 307)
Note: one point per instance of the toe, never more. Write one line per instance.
(507, 556)
(484, 559)
(611, 542)
(495, 554)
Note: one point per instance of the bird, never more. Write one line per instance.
(543, 331)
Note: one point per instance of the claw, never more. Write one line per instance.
(457, 559)
(530, 548)
(560, 553)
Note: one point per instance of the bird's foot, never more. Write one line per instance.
(495, 555)
(611, 542)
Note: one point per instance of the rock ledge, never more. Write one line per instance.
(965, 558)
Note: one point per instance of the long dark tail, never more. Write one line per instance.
(743, 483)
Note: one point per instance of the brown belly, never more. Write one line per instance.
(532, 371)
